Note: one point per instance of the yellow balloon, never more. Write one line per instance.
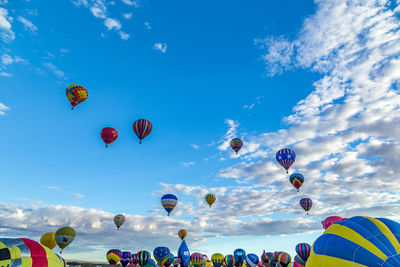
(210, 199)
(49, 240)
(64, 236)
(217, 259)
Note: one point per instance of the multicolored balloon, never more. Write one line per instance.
(267, 257)
(169, 202)
(217, 259)
(161, 254)
(27, 253)
(113, 256)
(299, 260)
(240, 256)
(196, 259)
(64, 236)
(331, 220)
(126, 257)
(182, 234)
(236, 144)
(210, 199)
(297, 180)
(176, 262)
(109, 135)
(119, 220)
(135, 259)
(150, 263)
(251, 260)
(284, 258)
(303, 252)
(286, 158)
(170, 260)
(229, 260)
(143, 257)
(76, 94)
(306, 204)
(48, 240)
(142, 128)
(358, 241)
(184, 254)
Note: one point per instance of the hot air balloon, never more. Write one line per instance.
(143, 257)
(142, 128)
(303, 252)
(210, 199)
(236, 144)
(150, 263)
(49, 240)
(331, 220)
(251, 260)
(169, 202)
(27, 253)
(217, 259)
(295, 264)
(239, 255)
(126, 257)
(161, 254)
(306, 204)
(284, 259)
(113, 256)
(64, 236)
(182, 234)
(286, 158)
(299, 260)
(184, 254)
(297, 180)
(135, 259)
(76, 94)
(109, 135)
(358, 241)
(196, 259)
(170, 260)
(176, 262)
(119, 220)
(229, 260)
(268, 258)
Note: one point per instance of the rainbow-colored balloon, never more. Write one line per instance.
(76, 94)
(142, 128)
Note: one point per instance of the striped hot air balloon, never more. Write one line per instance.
(306, 204)
(169, 202)
(217, 259)
(229, 260)
(285, 158)
(196, 259)
(303, 252)
(142, 128)
(251, 260)
(284, 258)
(143, 257)
(358, 241)
(114, 256)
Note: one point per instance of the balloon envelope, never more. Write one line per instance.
(303, 251)
(49, 240)
(297, 180)
(170, 260)
(229, 260)
(161, 254)
(184, 254)
(306, 203)
(217, 259)
(236, 144)
(182, 234)
(142, 128)
(169, 202)
(64, 236)
(113, 256)
(76, 94)
(358, 241)
(284, 258)
(239, 255)
(27, 253)
(126, 257)
(109, 135)
(119, 220)
(210, 199)
(331, 220)
(196, 259)
(251, 260)
(143, 257)
(285, 157)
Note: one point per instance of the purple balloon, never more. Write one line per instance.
(125, 258)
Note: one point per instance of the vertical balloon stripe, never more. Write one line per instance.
(387, 233)
(38, 253)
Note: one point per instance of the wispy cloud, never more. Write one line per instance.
(160, 47)
(6, 33)
(112, 24)
(5, 74)
(131, 3)
(127, 16)
(256, 101)
(187, 164)
(195, 146)
(54, 69)
(78, 195)
(3, 109)
(6, 59)
(54, 188)
(28, 25)
(147, 25)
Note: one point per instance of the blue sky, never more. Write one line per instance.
(276, 74)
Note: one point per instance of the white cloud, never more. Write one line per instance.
(230, 134)
(195, 146)
(6, 34)
(256, 101)
(112, 24)
(5, 74)
(147, 25)
(127, 16)
(124, 36)
(131, 3)
(54, 188)
(160, 47)
(28, 25)
(6, 59)
(3, 108)
(78, 195)
(187, 164)
(54, 69)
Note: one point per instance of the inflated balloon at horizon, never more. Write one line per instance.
(113, 256)
(161, 254)
(170, 260)
(331, 220)
(184, 254)
(48, 240)
(358, 241)
(143, 257)
(268, 257)
(251, 260)
(169, 202)
(217, 259)
(27, 253)
(76, 94)
(196, 259)
(303, 251)
(239, 255)
(126, 257)
(229, 260)
(285, 158)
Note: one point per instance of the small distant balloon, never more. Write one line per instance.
(182, 234)
(297, 180)
(76, 94)
(285, 158)
(236, 144)
(109, 135)
(210, 199)
(306, 204)
(64, 236)
(142, 128)
(331, 220)
(169, 202)
(119, 220)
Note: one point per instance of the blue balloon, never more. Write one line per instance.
(184, 254)
(251, 260)
(170, 260)
(169, 202)
(239, 255)
(161, 254)
(125, 258)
